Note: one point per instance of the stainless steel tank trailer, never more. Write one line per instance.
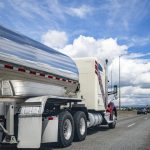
(45, 96)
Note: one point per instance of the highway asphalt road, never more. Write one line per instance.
(131, 133)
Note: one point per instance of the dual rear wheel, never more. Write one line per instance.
(80, 123)
(71, 127)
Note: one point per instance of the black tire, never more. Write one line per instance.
(80, 126)
(64, 117)
(113, 124)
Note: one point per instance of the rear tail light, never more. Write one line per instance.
(51, 118)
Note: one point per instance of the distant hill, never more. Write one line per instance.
(134, 106)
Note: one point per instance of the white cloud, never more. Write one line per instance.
(51, 11)
(144, 78)
(139, 40)
(101, 48)
(136, 40)
(135, 81)
(134, 95)
(122, 13)
(128, 101)
(135, 72)
(55, 39)
(29, 11)
(136, 91)
(81, 11)
(136, 55)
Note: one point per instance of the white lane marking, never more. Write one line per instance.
(131, 125)
(145, 118)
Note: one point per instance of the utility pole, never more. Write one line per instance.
(119, 87)
(111, 81)
(106, 82)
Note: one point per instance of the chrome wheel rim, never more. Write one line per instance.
(82, 126)
(114, 120)
(67, 129)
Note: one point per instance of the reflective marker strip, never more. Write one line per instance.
(57, 78)
(50, 77)
(63, 79)
(42, 74)
(32, 72)
(8, 66)
(21, 70)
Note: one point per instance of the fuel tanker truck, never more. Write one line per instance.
(47, 97)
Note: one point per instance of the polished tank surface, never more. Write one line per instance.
(21, 50)
(27, 89)
(29, 68)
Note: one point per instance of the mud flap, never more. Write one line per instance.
(30, 127)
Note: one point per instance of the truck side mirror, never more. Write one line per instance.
(115, 89)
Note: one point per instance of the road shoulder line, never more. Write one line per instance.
(131, 125)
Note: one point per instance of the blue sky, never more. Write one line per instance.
(103, 28)
(125, 20)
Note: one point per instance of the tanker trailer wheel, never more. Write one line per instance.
(65, 129)
(80, 123)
